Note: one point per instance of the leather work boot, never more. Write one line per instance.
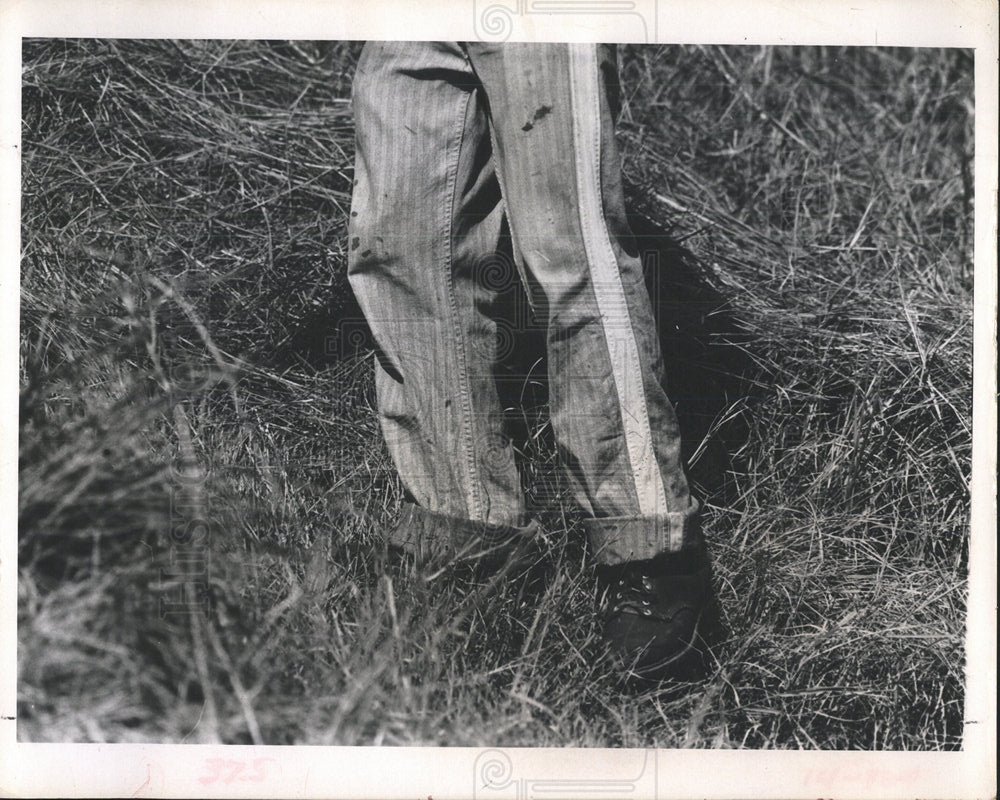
(655, 612)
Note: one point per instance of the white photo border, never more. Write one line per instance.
(361, 772)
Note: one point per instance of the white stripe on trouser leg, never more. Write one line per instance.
(607, 281)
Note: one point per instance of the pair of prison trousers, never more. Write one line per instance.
(454, 143)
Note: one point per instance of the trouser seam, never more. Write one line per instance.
(473, 500)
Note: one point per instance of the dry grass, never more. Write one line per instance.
(203, 487)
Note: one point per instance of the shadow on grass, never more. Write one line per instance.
(706, 362)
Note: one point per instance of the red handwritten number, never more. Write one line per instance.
(217, 770)
(237, 768)
(215, 766)
(229, 770)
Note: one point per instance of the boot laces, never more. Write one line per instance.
(633, 593)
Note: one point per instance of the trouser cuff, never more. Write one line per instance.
(615, 540)
(428, 534)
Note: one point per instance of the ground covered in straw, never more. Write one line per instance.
(203, 488)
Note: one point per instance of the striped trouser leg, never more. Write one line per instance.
(425, 223)
(551, 113)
